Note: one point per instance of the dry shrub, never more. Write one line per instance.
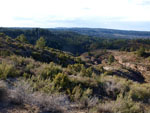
(22, 94)
(88, 102)
(115, 85)
(51, 103)
(105, 108)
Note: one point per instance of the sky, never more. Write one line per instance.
(113, 14)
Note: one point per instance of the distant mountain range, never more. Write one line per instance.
(94, 32)
(107, 33)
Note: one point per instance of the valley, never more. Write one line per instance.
(44, 71)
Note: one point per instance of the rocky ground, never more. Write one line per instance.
(127, 64)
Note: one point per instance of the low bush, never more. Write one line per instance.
(140, 93)
(141, 52)
(61, 82)
(126, 105)
(86, 72)
(5, 53)
(121, 105)
(50, 70)
(114, 85)
(76, 93)
(7, 70)
(111, 59)
(39, 84)
(75, 68)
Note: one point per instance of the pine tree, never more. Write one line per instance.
(22, 38)
(40, 43)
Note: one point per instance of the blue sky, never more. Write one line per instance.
(115, 14)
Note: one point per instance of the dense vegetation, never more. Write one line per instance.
(32, 73)
(76, 43)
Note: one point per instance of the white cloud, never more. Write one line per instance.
(56, 13)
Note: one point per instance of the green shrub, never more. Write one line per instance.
(140, 93)
(78, 60)
(2, 35)
(37, 56)
(8, 39)
(40, 43)
(101, 69)
(61, 82)
(40, 84)
(64, 59)
(126, 105)
(26, 75)
(29, 67)
(86, 72)
(5, 53)
(7, 71)
(141, 52)
(75, 68)
(87, 93)
(121, 105)
(22, 38)
(77, 93)
(50, 71)
(111, 59)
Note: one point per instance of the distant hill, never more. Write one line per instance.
(107, 33)
(80, 40)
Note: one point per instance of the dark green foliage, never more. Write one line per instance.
(80, 68)
(2, 35)
(140, 93)
(74, 42)
(89, 53)
(5, 53)
(73, 69)
(50, 71)
(22, 38)
(132, 49)
(61, 82)
(7, 70)
(86, 72)
(141, 52)
(40, 43)
(111, 59)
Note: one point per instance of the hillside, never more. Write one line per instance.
(77, 43)
(107, 33)
(42, 79)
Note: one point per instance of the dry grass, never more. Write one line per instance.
(21, 95)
